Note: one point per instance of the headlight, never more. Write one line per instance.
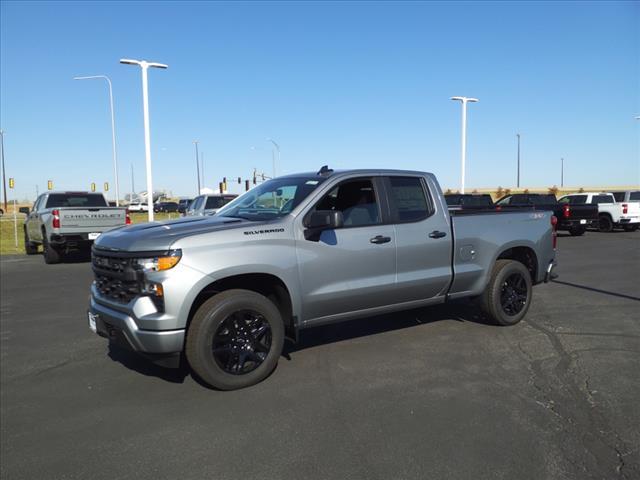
(160, 263)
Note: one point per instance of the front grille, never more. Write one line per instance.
(115, 277)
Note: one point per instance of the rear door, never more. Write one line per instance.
(423, 239)
(354, 267)
(33, 220)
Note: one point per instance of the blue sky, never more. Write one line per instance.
(351, 85)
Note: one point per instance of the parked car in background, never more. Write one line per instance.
(166, 207)
(65, 221)
(304, 250)
(183, 203)
(208, 204)
(574, 218)
(610, 214)
(466, 200)
(627, 196)
(138, 207)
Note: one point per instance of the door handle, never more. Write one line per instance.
(378, 239)
(437, 234)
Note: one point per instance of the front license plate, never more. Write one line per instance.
(583, 221)
(92, 322)
(93, 236)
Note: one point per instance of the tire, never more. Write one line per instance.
(498, 302)
(224, 345)
(577, 231)
(30, 248)
(51, 255)
(605, 224)
(631, 228)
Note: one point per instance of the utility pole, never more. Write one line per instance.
(4, 175)
(133, 189)
(518, 180)
(197, 165)
(562, 172)
(203, 177)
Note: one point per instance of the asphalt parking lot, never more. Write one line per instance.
(431, 393)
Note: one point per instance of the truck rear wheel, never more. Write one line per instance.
(630, 228)
(508, 294)
(605, 224)
(30, 248)
(235, 339)
(51, 255)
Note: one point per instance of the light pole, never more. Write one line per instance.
(197, 166)
(144, 65)
(562, 172)
(113, 131)
(273, 156)
(204, 185)
(464, 101)
(518, 179)
(4, 175)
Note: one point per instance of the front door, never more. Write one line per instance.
(350, 268)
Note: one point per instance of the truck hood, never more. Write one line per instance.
(156, 236)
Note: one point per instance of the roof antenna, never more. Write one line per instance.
(324, 170)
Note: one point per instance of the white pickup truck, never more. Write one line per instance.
(611, 215)
(65, 221)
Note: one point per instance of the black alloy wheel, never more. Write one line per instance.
(513, 294)
(242, 342)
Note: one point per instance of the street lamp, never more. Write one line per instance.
(273, 156)
(464, 101)
(562, 172)
(4, 175)
(518, 178)
(144, 65)
(197, 166)
(113, 130)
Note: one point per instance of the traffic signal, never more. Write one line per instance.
(106, 186)
(246, 185)
(93, 186)
(254, 179)
(12, 183)
(220, 186)
(49, 185)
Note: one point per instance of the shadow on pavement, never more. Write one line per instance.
(591, 289)
(141, 365)
(463, 311)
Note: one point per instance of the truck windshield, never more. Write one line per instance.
(272, 199)
(57, 200)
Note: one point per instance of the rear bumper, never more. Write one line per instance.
(70, 240)
(550, 274)
(629, 220)
(121, 329)
(567, 224)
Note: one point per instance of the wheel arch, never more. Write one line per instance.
(523, 254)
(266, 284)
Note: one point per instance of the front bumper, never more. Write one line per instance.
(121, 329)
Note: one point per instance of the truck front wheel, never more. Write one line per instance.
(508, 294)
(235, 339)
(605, 224)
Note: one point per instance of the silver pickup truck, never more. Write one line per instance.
(304, 250)
(65, 221)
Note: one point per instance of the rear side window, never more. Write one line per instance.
(619, 196)
(477, 201)
(602, 199)
(574, 200)
(59, 200)
(408, 199)
(634, 196)
(542, 199)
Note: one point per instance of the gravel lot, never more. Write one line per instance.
(431, 393)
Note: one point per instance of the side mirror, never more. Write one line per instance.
(24, 210)
(322, 220)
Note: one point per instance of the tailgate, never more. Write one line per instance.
(579, 212)
(91, 219)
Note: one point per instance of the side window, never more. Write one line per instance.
(504, 201)
(356, 199)
(634, 196)
(578, 199)
(197, 203)
(408, 200)
(597, 199)
(619, 196)
(36, 204)
(564, 200)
